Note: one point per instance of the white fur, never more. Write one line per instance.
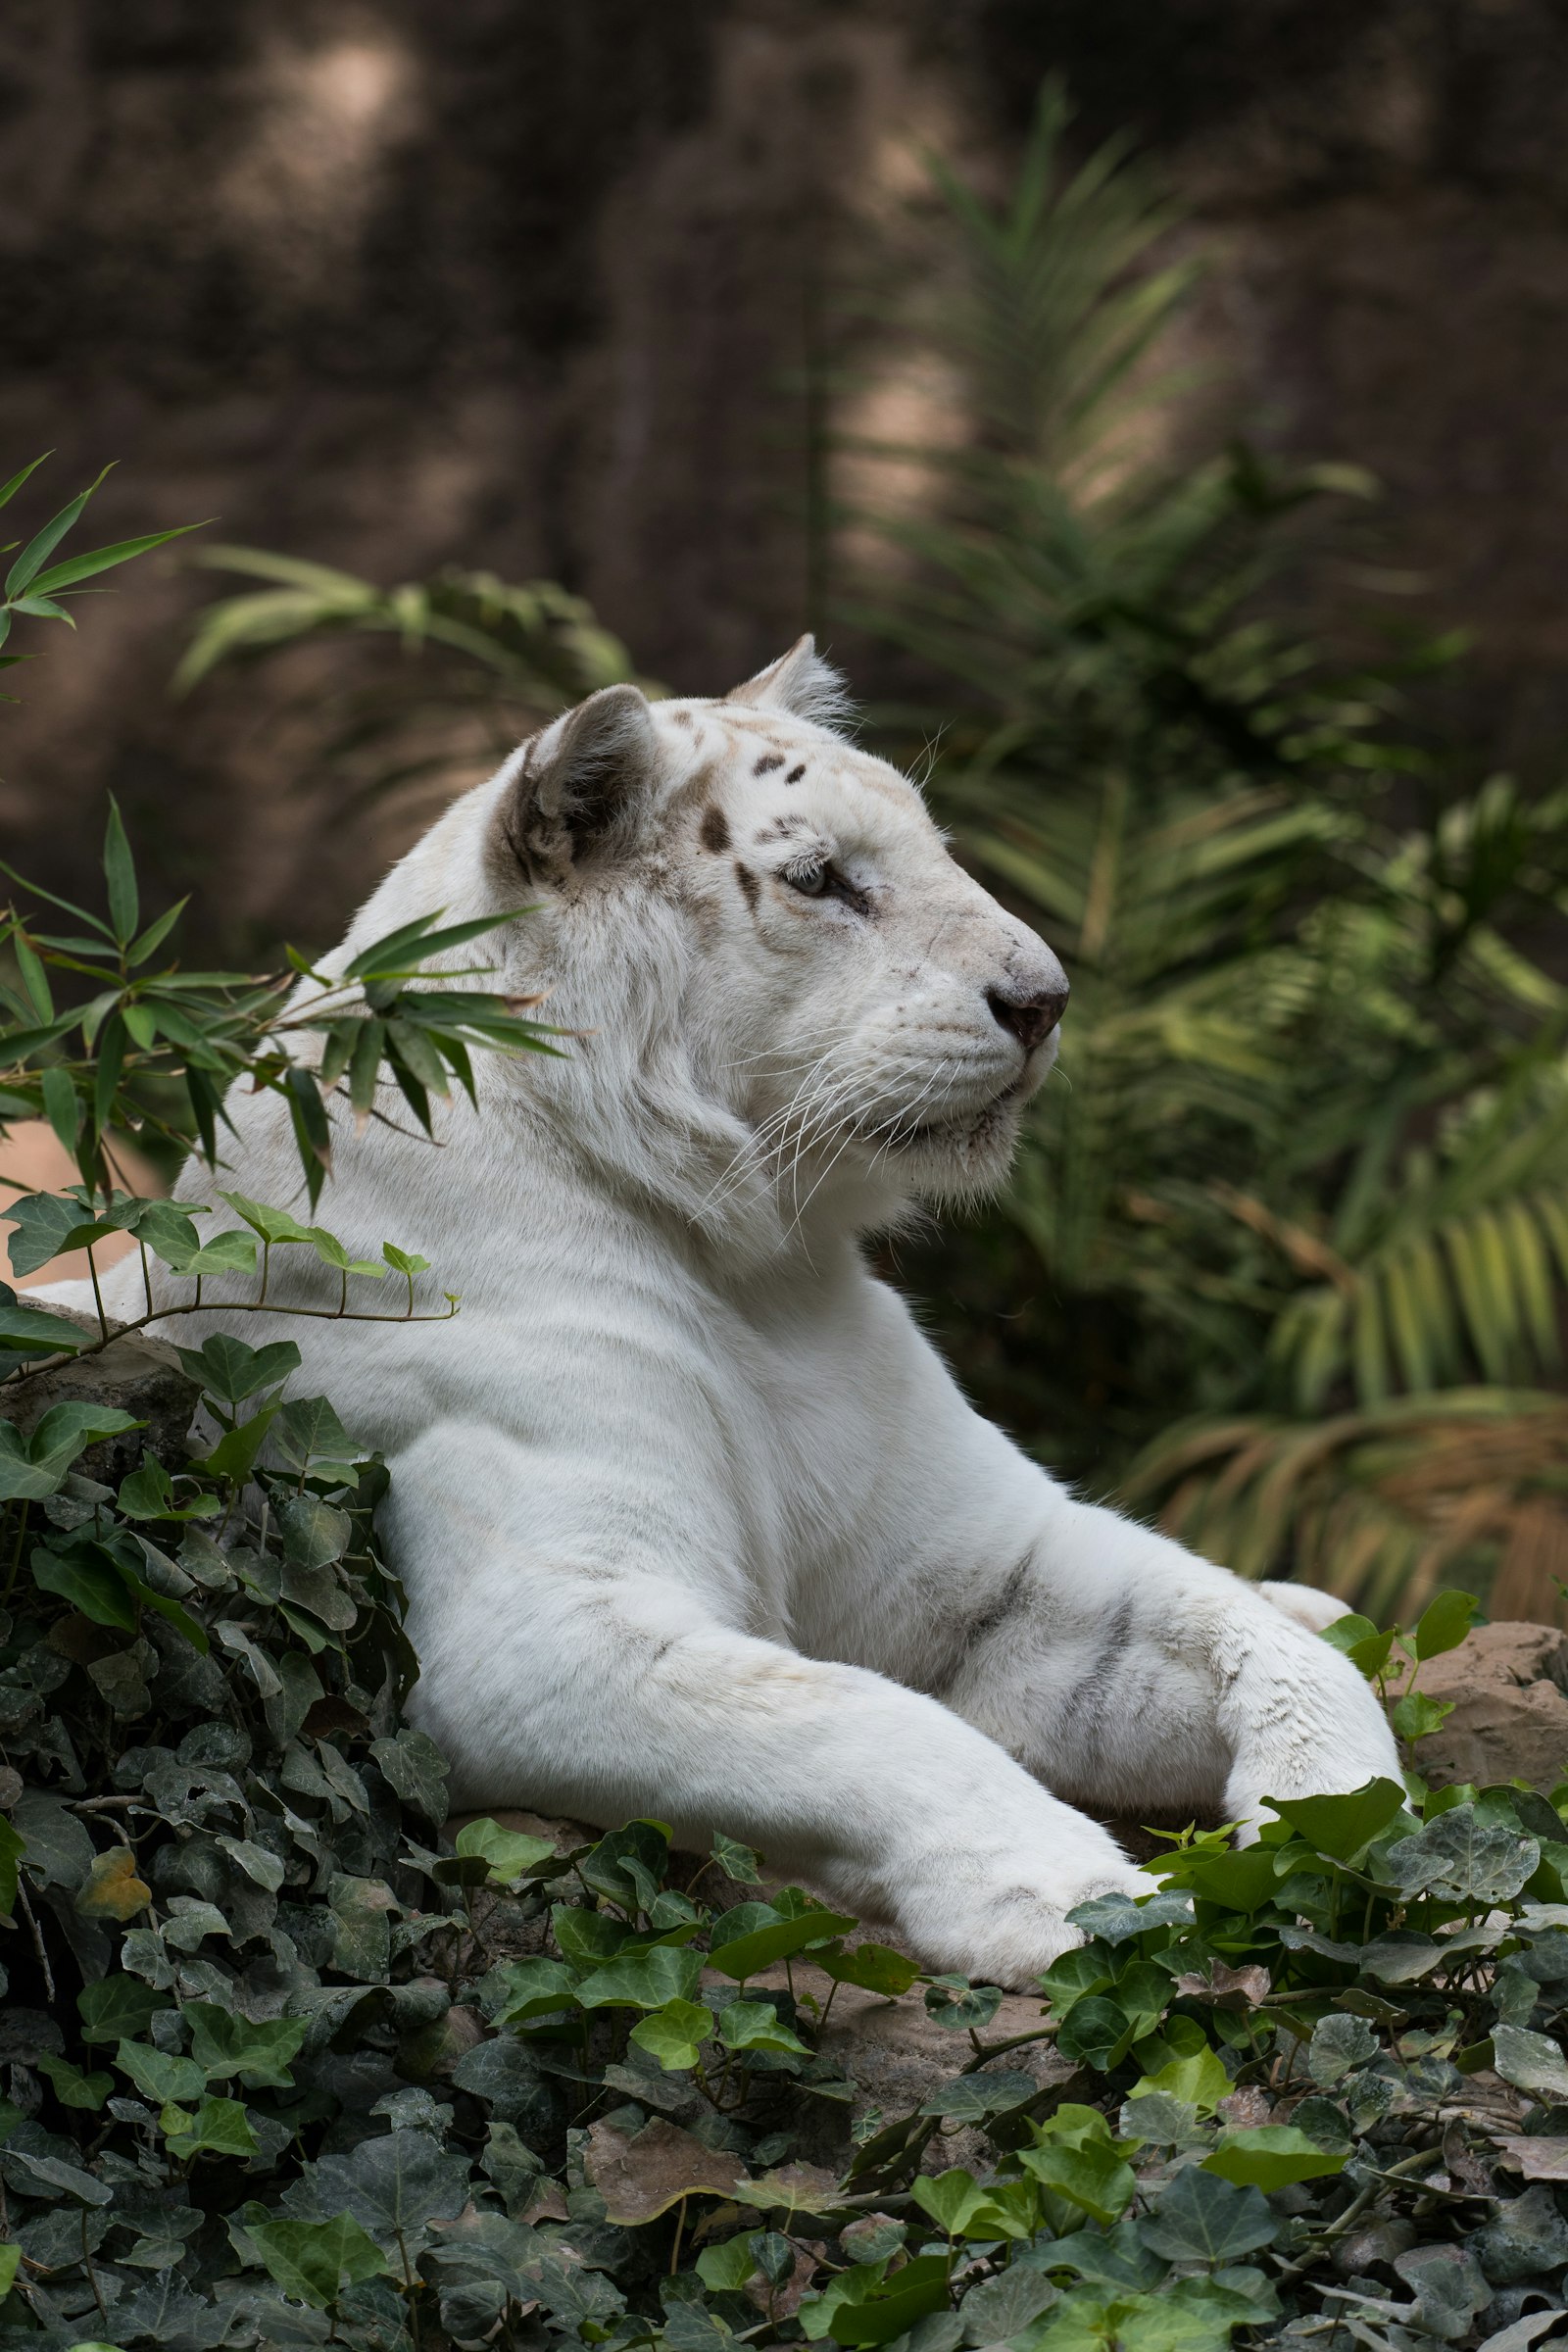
(693, 1520)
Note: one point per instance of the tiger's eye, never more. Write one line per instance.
(809, 880)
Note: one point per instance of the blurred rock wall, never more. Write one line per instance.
(529, 286)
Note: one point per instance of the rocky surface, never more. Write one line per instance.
(138, 1374)
(1508, 1687)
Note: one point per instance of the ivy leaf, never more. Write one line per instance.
(1202, 2219)
(974, 2098)
(308, 1429)
(317, 2260)
(509, 1854)
(58, 1850)
(647, 1980)
(26, 1331)
(861, 2307)
(1115, 2257)
(1342, 1826)
(1531, 2062)
(1416, 1715)
(1359, 1640)
(219, 2128)
(960, 2007)
(742, 1944)
(73, 2087)
(737, 1862)
(754, 2026)
(1199, 2080)
(393, 2185)
(55, 2173)
(1092, 2177)
(1113, 1918)
(1240, 1878)
(727, 2267)
(274, 1225)
(160, 2075)
(1155, 2120)
(957, 2204)
(223, 2045)
(1449, 2288)
(1460, 1858)
(1097, 2030)
(586, 1940)
(43, 1226)
(415, 1770)
(31, 1468)
(503, 2072)
(112, 1888)
(1078, 1975)
(641, 2175)
(149, 1493)
(1339, 2043)
(1003, 2307)
(533, 1988)
(874, 1967)
(1269, 2156)
(230, 1371)
(119, 2008)
(674, 2035)
(1443, 1624)
(225, 1253)
(234, 1456)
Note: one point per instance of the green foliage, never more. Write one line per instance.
(286, 2067)
(485, 662)
(153, 1048)
(34, 586)
(1300, 1183)
(104, 1035)
(151, 1054)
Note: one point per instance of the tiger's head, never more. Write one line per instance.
(782, 986)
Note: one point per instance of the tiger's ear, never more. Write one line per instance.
(799, 683)
(577, 791)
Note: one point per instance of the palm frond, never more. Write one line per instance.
(494, 660)
(1378, 1508)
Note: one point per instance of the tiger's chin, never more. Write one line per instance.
(963, 1158)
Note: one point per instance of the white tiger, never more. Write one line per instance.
(693, 1520)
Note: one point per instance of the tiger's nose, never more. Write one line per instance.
(1030, 1019)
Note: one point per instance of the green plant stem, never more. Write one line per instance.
(234, 1306)
(97, 1298)
(92, 2274)
(1367, 2193)
(16, 1554)
(411, 2288)
(38, 1945)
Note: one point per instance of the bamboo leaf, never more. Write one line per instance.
(120, 872)
(42, 546)
(104, 559)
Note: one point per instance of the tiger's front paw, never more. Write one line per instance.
(1010, 1931)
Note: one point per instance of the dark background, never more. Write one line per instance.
(398, 282)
